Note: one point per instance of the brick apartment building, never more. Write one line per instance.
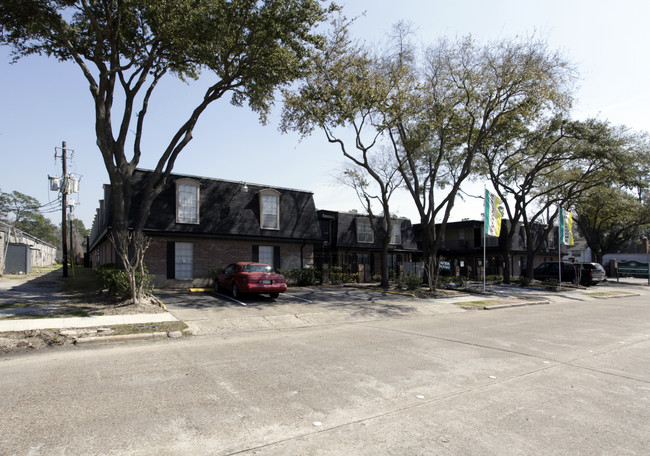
(199, 224)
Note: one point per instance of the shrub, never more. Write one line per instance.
(397, 279)
(550, 284)
(337, 276)
(524, 281)
(302, 277)
(214, 271)
(494, 278)
(117, 281)
(444, 281)
(413, 281)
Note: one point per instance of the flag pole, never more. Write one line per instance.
(560, 238)
(485, 216)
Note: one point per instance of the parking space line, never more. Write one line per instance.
(230, 298)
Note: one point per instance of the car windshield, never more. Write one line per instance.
(256, 268)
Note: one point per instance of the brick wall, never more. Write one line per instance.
(210, 254)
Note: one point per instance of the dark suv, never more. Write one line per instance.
(583, 273)
(550, 270)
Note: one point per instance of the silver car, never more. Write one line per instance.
(591, 273)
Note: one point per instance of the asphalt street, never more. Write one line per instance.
(356, 375)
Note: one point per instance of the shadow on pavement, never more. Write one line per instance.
(46, 287)
(358, 303)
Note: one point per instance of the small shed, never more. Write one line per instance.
(18, 259)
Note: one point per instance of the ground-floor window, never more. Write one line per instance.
(184, 260)
(266, 254)
(522, 263)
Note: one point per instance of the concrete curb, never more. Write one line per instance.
(515, 304)
(613, 296)
(99, 340)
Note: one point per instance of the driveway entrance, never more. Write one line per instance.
(212, 312)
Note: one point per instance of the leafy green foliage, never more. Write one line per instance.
(117, 281)
(494, 278)
(551, 284)
(525, 281)
(413, 281)
(302, 277)
(124, 49)
(22, 212)
(609, 218)
(337, 276)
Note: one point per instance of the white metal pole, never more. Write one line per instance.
(560, 238)
(485, 215)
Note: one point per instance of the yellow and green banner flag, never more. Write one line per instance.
(566, 227)
(492, 214)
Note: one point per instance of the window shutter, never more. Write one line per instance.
(256, 253)
(276, 257)
(171, 260)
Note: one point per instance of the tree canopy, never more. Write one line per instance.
(24, 213)
(124, 48)
(343, 95)
(435, 111)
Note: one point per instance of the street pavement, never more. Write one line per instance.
(387, 377)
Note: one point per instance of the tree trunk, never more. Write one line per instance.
(385, 276)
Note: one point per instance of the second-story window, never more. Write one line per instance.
(187, 201)
(396, 232)
(270, 209)
(364, 231)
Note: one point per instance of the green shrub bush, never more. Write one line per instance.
(116, 281)
(551, 284)
(494, 278)
(524, 281)
(397, 279)
(337, 276)
(413, 281)
(302, 277)
(459, 281)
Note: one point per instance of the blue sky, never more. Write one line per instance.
(45, 102)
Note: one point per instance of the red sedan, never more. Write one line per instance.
(251, 278)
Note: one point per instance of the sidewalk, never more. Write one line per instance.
(499, 298)
(83, 322)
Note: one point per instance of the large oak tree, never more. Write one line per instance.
(125, 47)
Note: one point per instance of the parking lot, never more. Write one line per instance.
(212, 312)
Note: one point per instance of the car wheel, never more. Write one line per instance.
(235, 290)
(275, 295)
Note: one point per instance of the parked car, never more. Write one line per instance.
(246, 277)
(591, 273)
(550, 270)
(583, 273)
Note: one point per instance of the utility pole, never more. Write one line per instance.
(64, 207)
(66, 185)
(71, 217)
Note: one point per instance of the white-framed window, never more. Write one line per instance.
(187, 201)
(184, 260)
(266, 255)
(270, 209)
(364, 231)
(396, 232)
